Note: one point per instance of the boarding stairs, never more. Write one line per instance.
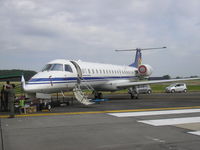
(80, 95)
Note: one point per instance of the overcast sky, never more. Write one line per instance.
(34, 32)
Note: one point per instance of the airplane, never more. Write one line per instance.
(63, 75)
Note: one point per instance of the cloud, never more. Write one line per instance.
(92, 29)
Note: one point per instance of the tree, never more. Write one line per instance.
(14, 75)
(166, 77)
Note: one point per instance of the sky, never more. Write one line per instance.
(34, 32)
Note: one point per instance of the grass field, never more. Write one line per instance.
(193, 86)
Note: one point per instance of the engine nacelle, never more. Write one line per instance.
(145, 70)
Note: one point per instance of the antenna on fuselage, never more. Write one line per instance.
(119, 50)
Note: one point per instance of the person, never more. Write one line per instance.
(21, 104)
(0, 103)
(11, 100)
(3, 107)
(7, 86)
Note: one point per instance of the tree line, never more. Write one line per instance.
(15, 74)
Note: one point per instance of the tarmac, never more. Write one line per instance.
(153, 122)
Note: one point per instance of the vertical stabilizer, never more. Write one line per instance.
(138, 59)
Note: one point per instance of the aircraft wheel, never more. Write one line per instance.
(149, 92)
(132, 96)
(98, 95)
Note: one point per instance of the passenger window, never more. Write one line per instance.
(89, 71)
(85, 71)
(68, 68)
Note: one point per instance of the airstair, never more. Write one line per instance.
(80, 96)
(78, 93)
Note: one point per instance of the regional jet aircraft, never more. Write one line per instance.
(62, 75)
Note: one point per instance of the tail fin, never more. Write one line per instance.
(138, 59)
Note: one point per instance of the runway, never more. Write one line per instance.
(155, 122)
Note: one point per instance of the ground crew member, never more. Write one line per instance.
(7, 86)
(11, 100)
(3, 105)
(21, 104)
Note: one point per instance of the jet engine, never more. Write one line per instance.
(145, 70)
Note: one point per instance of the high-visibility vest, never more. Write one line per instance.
(21, 102)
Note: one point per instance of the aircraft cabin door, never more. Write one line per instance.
(78, 69)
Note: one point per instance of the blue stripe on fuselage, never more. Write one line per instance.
(72, 79)
(75, 78)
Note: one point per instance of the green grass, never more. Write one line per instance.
(193, 86)
(157, 88)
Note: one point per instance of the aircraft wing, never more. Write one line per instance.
(129, 84)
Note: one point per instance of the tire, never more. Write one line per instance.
(132, 96)
(173, 91)
(185, 90)
(100, 95)
(149, 92)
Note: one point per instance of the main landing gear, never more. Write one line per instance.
(97, 95)
(134, 94)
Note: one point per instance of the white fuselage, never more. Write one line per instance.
(62, 75)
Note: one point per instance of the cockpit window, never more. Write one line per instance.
(47, 67)
(68, 68)
(53, 67)
(57, 67)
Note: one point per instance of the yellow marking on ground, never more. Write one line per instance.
(100, 112)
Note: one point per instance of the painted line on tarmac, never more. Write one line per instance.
(152, 113)
(99, 112)
(171, 121)
(195, 133)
